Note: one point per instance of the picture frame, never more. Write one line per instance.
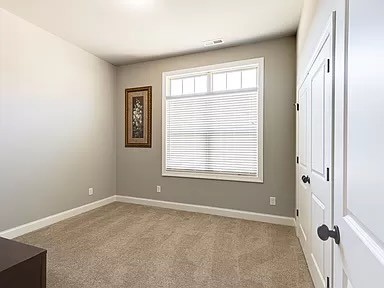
(138, 117)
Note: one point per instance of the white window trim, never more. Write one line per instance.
(217, 176)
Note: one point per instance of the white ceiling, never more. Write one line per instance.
(127, 31)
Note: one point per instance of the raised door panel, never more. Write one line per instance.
(318, 119)
(304, 193)
(365, 117)
(303, 130)
(318, 246)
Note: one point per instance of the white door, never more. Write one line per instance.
(315, 115)
(359, 146)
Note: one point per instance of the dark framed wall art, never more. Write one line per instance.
(138, 117)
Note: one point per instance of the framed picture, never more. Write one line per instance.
(138, 117)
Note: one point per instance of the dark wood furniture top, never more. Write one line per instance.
(21, 265)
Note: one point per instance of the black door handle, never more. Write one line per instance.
(324, 233)
(306, 179)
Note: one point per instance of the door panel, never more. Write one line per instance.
(303, 189)
(365, 110)
(359, 156)
(303, 134)
(318, 111)
(319, 216)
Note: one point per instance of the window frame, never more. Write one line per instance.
(236, 65)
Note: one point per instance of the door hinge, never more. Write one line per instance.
(297, 159)
(297, 212)
(328, 65)
(297, 107)
(328, 174)
(328, 284)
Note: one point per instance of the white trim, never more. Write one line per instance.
(242, 64)
(246, 215)
(261, 120)
(47, 221)
(216, 67)
(44, 222)
(213, 176)
(245, 91)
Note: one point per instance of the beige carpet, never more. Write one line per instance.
(124, 245)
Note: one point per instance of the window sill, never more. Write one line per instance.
(236, 178)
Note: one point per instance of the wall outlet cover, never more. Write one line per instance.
(272, 201)
(90, 191)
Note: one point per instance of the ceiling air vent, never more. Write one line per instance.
(213, 42)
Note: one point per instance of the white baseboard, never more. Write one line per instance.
(44, 222)
(273, 219)
(41, 223)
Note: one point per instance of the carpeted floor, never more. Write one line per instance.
(124, 245)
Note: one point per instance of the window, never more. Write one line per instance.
(213, 122)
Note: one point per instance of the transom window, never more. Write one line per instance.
(213, 121)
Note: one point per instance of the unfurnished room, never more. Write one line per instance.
(191, 143)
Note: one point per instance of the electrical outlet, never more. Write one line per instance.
(158, 189)
(90, 191)
(272, 201)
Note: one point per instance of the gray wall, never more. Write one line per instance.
(57, 124)
(139, 170)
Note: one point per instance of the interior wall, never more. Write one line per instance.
(139, 169)
(57, 124)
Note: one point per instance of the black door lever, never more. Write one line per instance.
(306, 179)
(324, 233)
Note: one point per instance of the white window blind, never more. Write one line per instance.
(212, 122)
